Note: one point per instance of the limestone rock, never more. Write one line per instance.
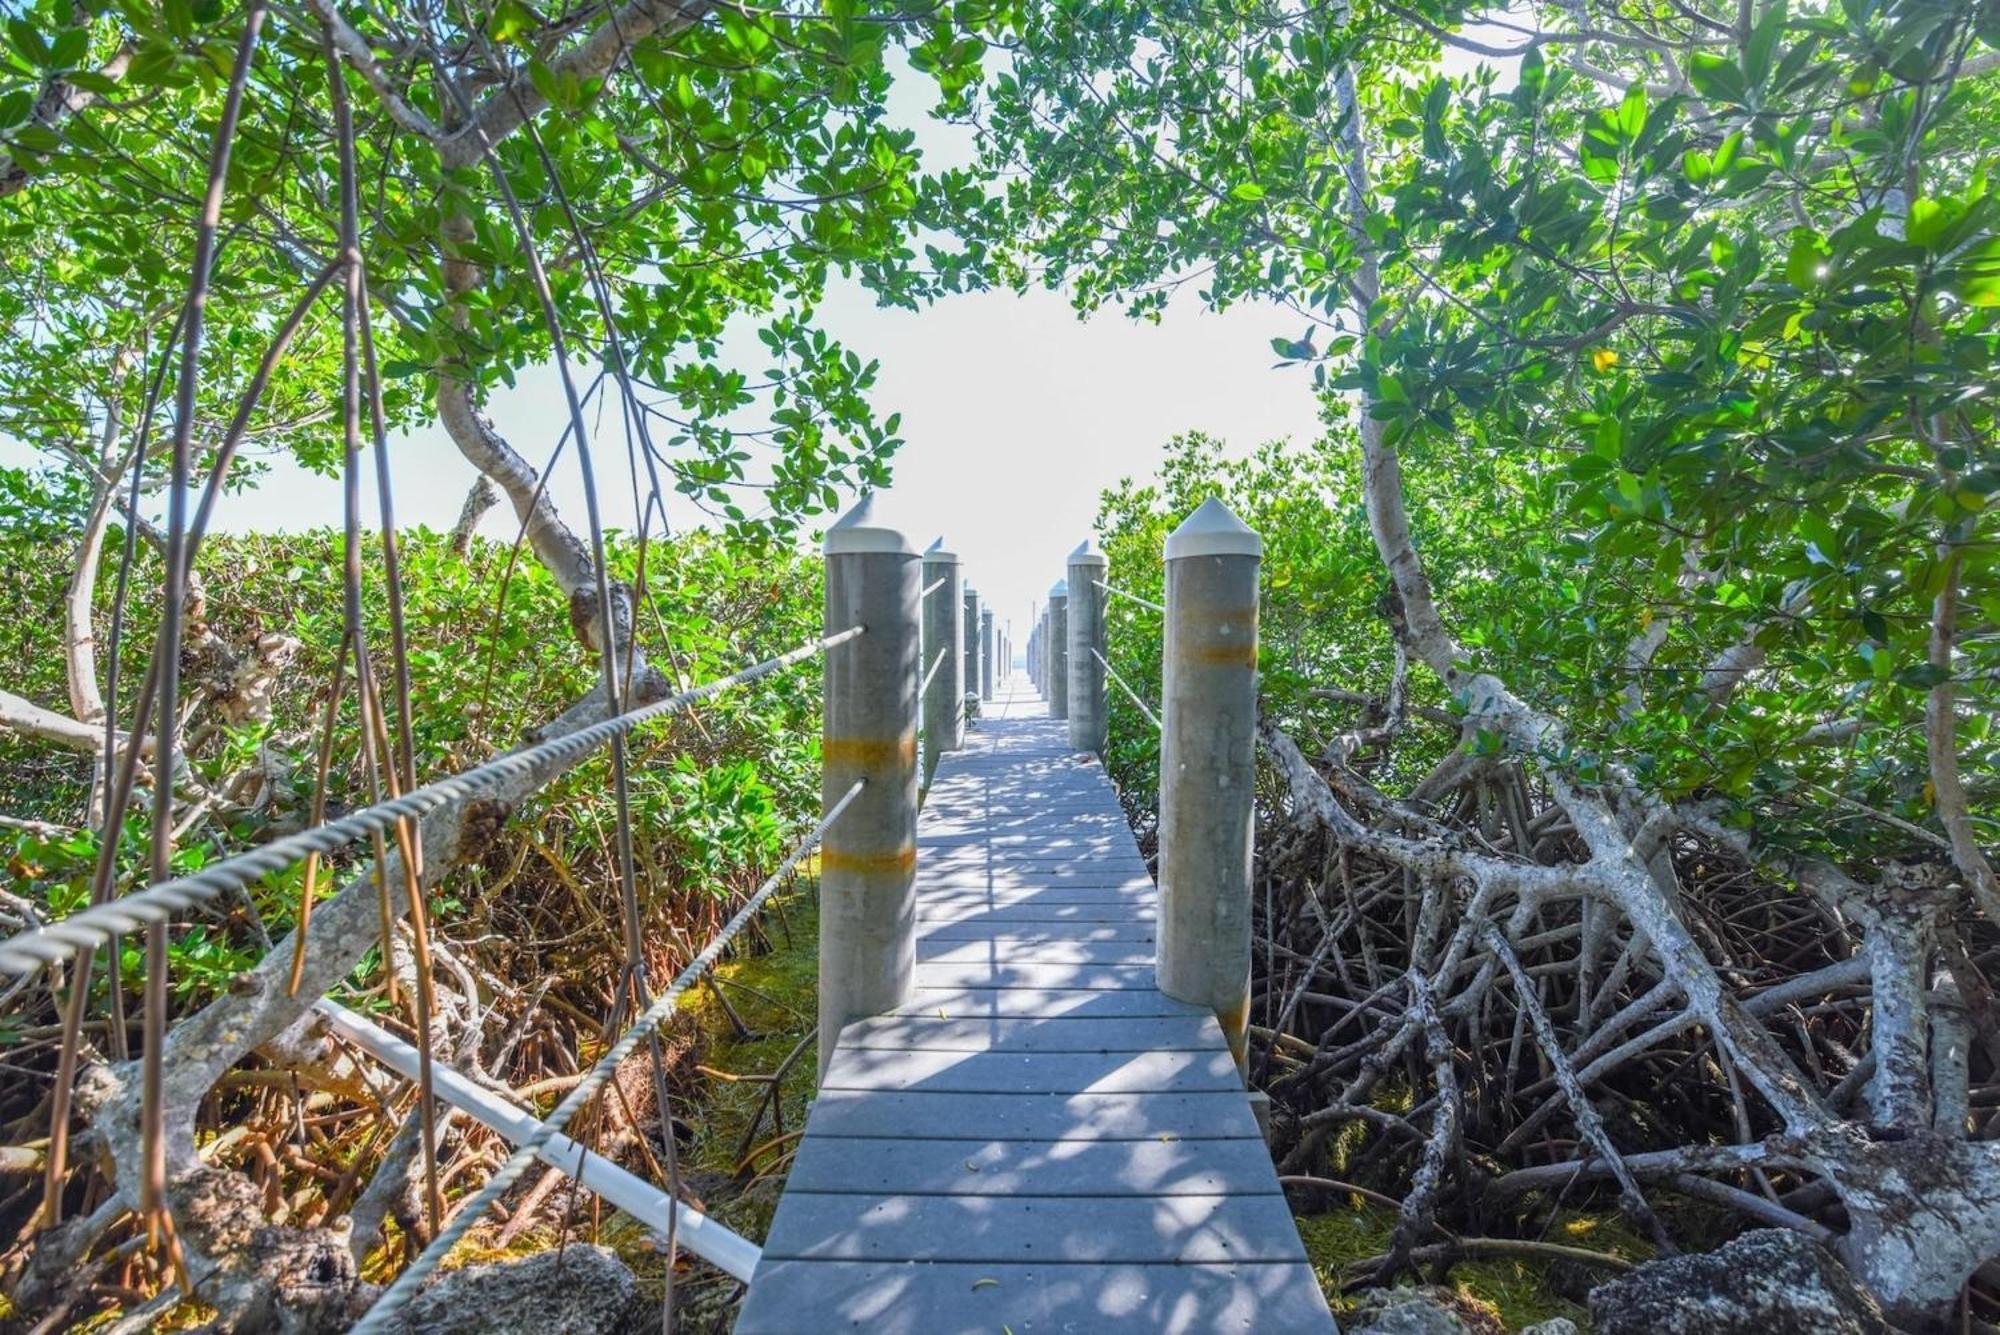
(576, 1290)
(1768, 1282)
(1415, 1311)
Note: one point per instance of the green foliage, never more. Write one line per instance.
(1711, 358)
(717, 792)
(1321, 616)
(714, 182)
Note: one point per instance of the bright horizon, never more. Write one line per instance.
(1017, 417)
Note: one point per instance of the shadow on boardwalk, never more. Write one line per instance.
(1041, 1139)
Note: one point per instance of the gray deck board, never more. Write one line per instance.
(964, 1003)
(943, 1071)
(1034, 1168)
(1163, 1033)
(970, 911)
(920, 1298)
(1040, 977)
(941, 933)
(972, 891)
(1010, 949)
(946, 1116)
(1039, 1139)
(1071, 1229)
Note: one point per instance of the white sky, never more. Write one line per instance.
(1017, 415)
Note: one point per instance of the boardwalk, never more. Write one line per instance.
(1041, 1140)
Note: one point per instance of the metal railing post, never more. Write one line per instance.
(986, 653)
(1058, 691)
(1207, 766)
(943, 703)
(868, 860)
(1088, 720)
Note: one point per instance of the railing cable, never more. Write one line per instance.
(1112, 673)
(934, 586)
(380, 1316)
(95, 926)
(1129, 597)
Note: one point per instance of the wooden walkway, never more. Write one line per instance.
(1041, 1140)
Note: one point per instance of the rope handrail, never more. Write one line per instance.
(1129, 597)
(934, 586)
(379, 1317)
(94, 927)
(1112, 673)
(936, 663)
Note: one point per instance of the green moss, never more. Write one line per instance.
(1516, 1290)
(775, 993)
(776, 996)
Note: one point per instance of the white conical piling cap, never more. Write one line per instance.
(937, 553)
(1213, 530)
(1059, 589)
(865, 529)
(1086, 554)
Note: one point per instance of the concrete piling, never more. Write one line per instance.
(943, 704)
(971, 631)
(986, 653)
(1088, 717)
(868, 858)
(1207, 765)
(1058, 690)
(1042, 656)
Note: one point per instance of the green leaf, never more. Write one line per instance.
(1248, 191)
(1630, 117)
(27, 39)
(180, 18)
(1805, 259)
(72, 45)
(512, 20)
(153, 66)
(1757, 52)
(1933, 222)
(1717, 78)
(1923, 676)
(1533, 73)
(1609, 441)
(1976, 275)
(545, 81)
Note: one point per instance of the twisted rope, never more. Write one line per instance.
(94, 927)
(380, 1316)
(1112, 673)
(934, 586)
